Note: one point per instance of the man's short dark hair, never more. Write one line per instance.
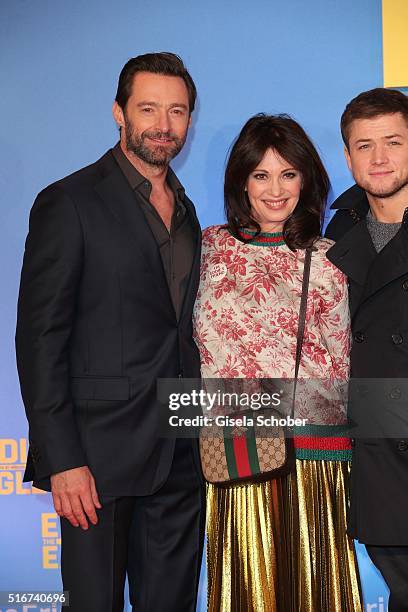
(369, 104)
(168, 64)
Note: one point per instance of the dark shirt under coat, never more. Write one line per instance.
(177, 246)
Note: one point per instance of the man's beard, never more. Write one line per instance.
(154, 155)
(388, 192)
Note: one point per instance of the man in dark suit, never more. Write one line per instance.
(371, 230)
(109, 279)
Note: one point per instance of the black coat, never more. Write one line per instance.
(378, 285)
(96, 329)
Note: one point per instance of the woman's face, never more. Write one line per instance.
(273, 190)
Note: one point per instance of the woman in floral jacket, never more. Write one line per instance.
(280, 545)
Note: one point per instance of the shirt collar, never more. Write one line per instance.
(138, 181)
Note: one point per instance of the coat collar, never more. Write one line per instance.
(354, 253)
(353, 198)
(390, 263)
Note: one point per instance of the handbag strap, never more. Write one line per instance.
(302, 318)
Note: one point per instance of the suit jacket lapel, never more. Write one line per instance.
(190, 294)
(117, 194)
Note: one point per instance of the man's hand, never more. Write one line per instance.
(75, 496)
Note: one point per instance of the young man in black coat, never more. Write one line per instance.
(109, 279)
(370, 228)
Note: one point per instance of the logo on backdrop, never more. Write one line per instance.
(51, 540)
(376, 607)
(13, 455)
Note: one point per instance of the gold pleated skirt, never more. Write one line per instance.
(281, 546)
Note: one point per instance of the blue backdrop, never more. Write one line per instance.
(59, 65)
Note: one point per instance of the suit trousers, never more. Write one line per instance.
(392, 562)
(157, 540)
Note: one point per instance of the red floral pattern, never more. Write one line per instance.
(246, 319)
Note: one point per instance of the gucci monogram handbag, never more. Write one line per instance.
(254, 453)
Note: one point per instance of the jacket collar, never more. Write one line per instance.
(353, 253)
(353, 198)
(114, 189)
(391, 263)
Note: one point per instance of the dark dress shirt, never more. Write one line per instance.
(177, 246)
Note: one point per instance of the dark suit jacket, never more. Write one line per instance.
(96, 329)
(379, 368)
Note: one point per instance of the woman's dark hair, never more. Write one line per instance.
(282, 134)
(168, 64)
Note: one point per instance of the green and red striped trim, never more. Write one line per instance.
(264, 238)
(312, 442)
(322, 442)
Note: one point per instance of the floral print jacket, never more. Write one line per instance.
(246, 320)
